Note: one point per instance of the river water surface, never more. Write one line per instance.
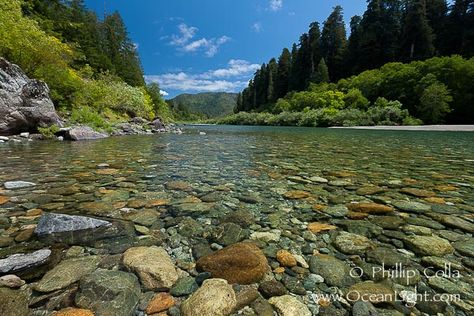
(175, 190)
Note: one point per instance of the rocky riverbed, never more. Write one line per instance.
(239, 221)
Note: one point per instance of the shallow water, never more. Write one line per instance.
(233, 168)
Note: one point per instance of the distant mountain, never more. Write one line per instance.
(209, 104)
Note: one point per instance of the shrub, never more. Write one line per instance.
(49, 132)
(90, 117)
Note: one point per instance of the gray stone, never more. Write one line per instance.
(429, 245)
(352, 243)
(465, 247)
(184, 286)
(78, 133)
(25, 104)
(334, 271)
(14, 185)
(19, 262)
(11, 281)
(70, 228)
(414, 207)
(288, 305)
(109, 293)
(362, 308)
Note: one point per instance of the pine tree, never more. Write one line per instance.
(322, 73)
(333, 43)
(283, 74)
(315, 46)
(460, 28)
(272, 70)
(437, 14)
(353, 46)
(417, 38)
(293, 78)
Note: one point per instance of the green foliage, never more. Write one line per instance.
(160, 107)
(49, 132)
(434, 103)
(355, 99)
(204, 105)
(90, 117)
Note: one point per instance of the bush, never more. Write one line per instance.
(49, 132)
(90, 117)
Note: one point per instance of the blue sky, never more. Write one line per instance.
(215, 45)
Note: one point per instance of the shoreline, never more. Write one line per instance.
(425, 128)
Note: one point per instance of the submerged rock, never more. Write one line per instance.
(109, 293)
(13, 302)
(242, 263)
(19, 262)
(67, 272)
(370, 208)
(429, 245)
(288, 305)
(352, 243)
(14, 185)
(153, 266)
(70, 228)
(334, 271)
(214, 298)
(25, 104)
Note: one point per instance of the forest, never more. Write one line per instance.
(90, 64)
(404, 62)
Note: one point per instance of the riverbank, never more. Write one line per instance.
(430, 128)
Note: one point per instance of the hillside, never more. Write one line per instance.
(209, 105)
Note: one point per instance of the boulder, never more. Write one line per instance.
(72, 229)
(242, 263)
(25, 104)
(109, 293)
(20, 262)
(153, 266)
(214, 298)
(82, 132)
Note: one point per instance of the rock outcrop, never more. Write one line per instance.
(25, 104)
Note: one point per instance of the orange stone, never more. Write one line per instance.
(370, 208)
(320, 227)
(70, 311)
(318, 207)
(157, 202)
(4, 199)
(445, 188)
(296, 195)
(417, 192)
(106, 172)
(34, 212)
(160, 302)
(279, 270)
(356, 215)
(435, 200)
(286, 259)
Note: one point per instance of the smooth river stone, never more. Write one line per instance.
(415, 207)
(109, 293)
(429, 245)
(242, 263)
(214, 298)
(352, 243)
(67, 272)
(288, 305)
(14, 185)
(18, 262)
(153, 266)
(370, 208)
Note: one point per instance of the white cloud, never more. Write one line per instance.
(185, 43)
(164, 93)
(276, 5)
(257, 27)
(186, 33)
(231, 79)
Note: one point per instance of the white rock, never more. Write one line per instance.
(288, 305)
(11, 281)
(318, 179)
(4, 138)
(22, 261)
(202, 133)
(25, 135)
(266, 236)
(301, 261)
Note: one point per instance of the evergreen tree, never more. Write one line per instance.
(417, 39)
(353, 47)
(315, 46)
(437, 14)
(333, 43)
(460, 28)
(283, 74)
(322, 73)
(293, 78)
(122, 51)
(272, 70)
